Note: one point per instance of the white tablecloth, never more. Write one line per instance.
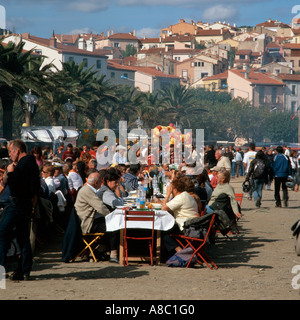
(115, 221)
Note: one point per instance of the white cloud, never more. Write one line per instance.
(17, 23)
(88, 5)
(220, 12)
(148, 33)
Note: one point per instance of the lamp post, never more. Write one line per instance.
(70, 108)
(139, 122)
(31, 100)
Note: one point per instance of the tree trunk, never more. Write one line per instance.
(7, 105)
(106, 123)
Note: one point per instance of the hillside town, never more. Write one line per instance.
(260, 64)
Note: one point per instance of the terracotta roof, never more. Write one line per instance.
(289, 77)
(67, 38)
(180, 38)
(211, 32)
(61, 48)
(150, 40)
(221, 76)
(239, 52)
(256, 77)
(123, 36)
(273, 23)
(291, 46)
(147, 70)
(273, 45)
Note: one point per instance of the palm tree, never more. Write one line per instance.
(149, 110)
(179, 103)
(13, 61)
(72, 82)
(104, 101)
(129, 99)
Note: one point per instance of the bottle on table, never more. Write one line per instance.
(141, 197)
(155, 185)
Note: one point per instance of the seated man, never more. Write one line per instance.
(223, 162)
(92, 211)
(107, 192)
(131, 177)
(221, 194)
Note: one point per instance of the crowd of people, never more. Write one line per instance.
(71, 178)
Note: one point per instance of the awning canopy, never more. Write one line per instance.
(50, 135)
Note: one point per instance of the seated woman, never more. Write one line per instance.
(190, 188)
(182, 206)
(221, 194)
(107, 192)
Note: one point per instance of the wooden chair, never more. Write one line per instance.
(198, 245)
(138, 216)
(90, 240)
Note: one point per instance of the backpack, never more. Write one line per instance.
(259, 170)
(182, 258)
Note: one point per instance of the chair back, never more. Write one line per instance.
(131, 215)
(239, 198)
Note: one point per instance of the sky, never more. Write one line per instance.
(145, 17)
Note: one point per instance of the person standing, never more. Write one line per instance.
(258, 170)
(238, 162)
(248, 157)
(281, 169)
(23, 179)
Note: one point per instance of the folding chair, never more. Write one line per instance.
(90, 240)
(198, 245)
(239, 198)
(138, 216)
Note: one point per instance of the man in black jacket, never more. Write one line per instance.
(23, 179)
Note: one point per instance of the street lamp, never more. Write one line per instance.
(71, 108)
(139, 122)
(31, 100)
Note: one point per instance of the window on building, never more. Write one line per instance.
(261, 94)
(184, 74)
(38, 51)
(125, 75)
(293, 89)
(242, 57)
(274, 94)
(292, 62)
(85, 61)
(116, 44)
(99, 64)
(293, 107)
(112, 75)
(70, 59)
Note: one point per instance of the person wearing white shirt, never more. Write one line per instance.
(47, 174)
(74, 178)
(248, 157)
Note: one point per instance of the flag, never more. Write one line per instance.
(293, 117)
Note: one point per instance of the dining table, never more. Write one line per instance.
(116, 221)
